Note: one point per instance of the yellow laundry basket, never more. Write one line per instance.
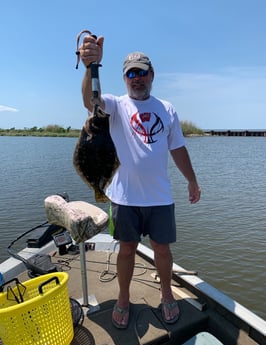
(43, 316)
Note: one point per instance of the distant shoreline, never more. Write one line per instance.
(74, 133)
(48, 131)
(188, 129)
(43, 134)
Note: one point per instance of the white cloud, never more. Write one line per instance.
(5, 108)
(233, 98)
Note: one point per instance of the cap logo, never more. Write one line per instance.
(134, 57)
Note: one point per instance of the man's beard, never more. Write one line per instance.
(140, 95)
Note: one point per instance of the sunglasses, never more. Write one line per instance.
(134, 73)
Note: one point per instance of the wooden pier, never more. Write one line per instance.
(237, 133)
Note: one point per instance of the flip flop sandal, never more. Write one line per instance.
(123, 312)
(169, 307)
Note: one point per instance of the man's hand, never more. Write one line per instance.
(194, 192)
(91, 50)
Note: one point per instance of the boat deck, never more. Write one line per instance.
(146, 326)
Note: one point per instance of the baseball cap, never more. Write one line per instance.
(136, 60)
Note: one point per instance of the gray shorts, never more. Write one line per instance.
(130, 222)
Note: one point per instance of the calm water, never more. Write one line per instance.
(223, 237)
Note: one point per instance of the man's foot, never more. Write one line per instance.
(170, 311)
(120, 317)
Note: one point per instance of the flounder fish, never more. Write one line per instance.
(95, 158)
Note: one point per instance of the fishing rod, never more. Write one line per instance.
(38, 264)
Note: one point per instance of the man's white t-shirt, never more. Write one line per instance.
(143, 132)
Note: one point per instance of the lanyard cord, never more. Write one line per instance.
(77, 45)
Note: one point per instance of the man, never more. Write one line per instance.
(143, 129)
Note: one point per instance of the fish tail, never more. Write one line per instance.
(100, 196)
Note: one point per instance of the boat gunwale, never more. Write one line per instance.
(251, 323)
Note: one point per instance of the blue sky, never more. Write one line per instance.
(209, 58)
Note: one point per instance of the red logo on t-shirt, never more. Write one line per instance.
(147, 125)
